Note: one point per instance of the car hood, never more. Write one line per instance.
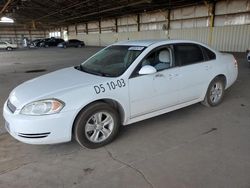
(51, 84)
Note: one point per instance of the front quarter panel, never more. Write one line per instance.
(110, 88)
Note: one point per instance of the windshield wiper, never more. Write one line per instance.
(94, 72)
(105, 74)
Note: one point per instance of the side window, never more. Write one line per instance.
(186, 54)
(208, 53)
(2, 43)
(160, 59)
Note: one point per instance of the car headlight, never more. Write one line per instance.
(43, 107)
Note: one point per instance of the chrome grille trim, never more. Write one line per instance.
(36, 135)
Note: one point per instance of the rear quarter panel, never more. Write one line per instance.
(227, 65)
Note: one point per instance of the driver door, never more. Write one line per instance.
(157, 91)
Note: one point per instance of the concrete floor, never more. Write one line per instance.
(192, 147)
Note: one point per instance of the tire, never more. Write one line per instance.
(46, 46)
(215, 92)
(89, 129)
(64, 46)
(9, 48)
(79, 46)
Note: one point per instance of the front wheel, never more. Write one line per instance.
(215, 92)
(96, 126)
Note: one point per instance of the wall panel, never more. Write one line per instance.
(16, 35)
(227, 38)
(231, 31)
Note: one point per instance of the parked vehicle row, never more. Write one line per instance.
(71, 43)
(49, 42)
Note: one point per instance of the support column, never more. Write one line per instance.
(116, 25)
(138, 22)
(60, 29)
(76, 29)
(16, 40)
(168, 23)
(86, 27)
(30, 35)
(99, 26)
(211, 13)
(168, 19)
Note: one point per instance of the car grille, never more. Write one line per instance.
(11, 107)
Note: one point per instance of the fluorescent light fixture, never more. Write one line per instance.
(6, 20)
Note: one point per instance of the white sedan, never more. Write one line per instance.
(7, 46)
(124, 83)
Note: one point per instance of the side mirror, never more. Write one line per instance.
(147, 69)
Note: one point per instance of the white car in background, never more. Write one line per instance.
(7, 46)
(124, 83)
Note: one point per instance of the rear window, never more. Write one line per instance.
(187, 53)
(208, 54)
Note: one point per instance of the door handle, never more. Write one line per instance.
(207, 67)
(159, 75)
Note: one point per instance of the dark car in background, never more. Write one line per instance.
(41, 42)
(35, 43)
(51, 42)
(71, 43)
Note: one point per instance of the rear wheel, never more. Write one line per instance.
(215, 92)
(9, 48)
(96, 126)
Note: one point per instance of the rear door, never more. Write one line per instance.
(195, 70)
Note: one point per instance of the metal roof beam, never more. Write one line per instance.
(107, 10)
(5, 6)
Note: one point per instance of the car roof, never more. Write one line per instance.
(147, 43)
(137, 42)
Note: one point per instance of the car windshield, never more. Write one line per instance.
(112, 61)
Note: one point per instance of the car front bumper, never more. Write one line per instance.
(47, 129)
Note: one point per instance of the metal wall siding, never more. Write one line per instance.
(225, 38)
(231, 38)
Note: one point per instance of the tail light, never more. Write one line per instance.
(235, 63)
